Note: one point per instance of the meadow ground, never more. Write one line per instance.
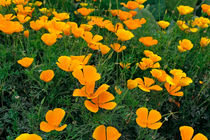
(104, 69)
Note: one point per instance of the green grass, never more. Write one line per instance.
(25, 99)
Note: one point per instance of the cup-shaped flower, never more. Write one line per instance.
(88, 90)
(173, 90)
(147, 84)
(130, 5)
(37, 25)
(187, 134)
(47, 75)
(148, 119)
(67, 64)
(148, 41)
(49, 38)
(53, 120)
(206, 8)
(103, 133)
(204, 41)
(184, 10)
(26, 136)
(110, 27)
(83, 58)
(124, 35)
(159, 74)
(88, 74)
(163, 24)
(185, 45)
(148, 63)
(84, 11)
(60, 16)
(102, 101)
(25, 62)
(117, 48)
(133, 24)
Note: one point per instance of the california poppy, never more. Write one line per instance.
(104, 100)
(125, 65)
(133, 24)
(47, 75)
(53, 118)
(147, 84)
(26, 33)
(124, 35)
(25, 62)
(84, 11)
(163, 24)
(130, 5)
(150, 120)
(117, 48)
(204, 41)
(148, 41)
(159, 74)
(185, 45)
(49, 38)
(26, 136)
(184, 10)
(103, 133)
(60, 16)
(187, 133)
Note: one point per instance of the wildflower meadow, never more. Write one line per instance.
(104, 70)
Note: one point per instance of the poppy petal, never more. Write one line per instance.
(199, 136)
(155, 87)
(186, 132)
(78, 74)
(90, 106)
(79, 92)
(105, 96)
(44, 126)
(155, 125)
(108, 106)
(154, 116)
(99, 133)
(142, 114)
(55, 117)
(101, 89)
(61, 128)
(112, 133)
(148, 81)
(90, 73)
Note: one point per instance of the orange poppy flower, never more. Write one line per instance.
(147, 84)
(102, 101)
(114, 12)
(103, 133)
(123, 15)
(152, 56)
(90, 39)
(148, 119)
(159, 74)
(88, 90)
(47, 75)
(77, 32)
(130, 5)
(24, 10)
(117, 48)
(26, 136)
(148, 41)
(163, 24)
(133, 24)
(133, 13)
(131, 84)
(10, 27)
(173, 90)
(53, 118)
(37, 25)
(104, 49)
(141, 1)
(67, 64)
(206, 8)
(83, 58)
(60, 16)
(185, 45)
(86, 27)
(187, 133)
(7, 17)
(26, 33)
(88, 74)
(18, 2)
(124, 65)
(84, 11)
(184, 10)
(204, 41)
(147, 63)
(5, 2)
(117, 89)
(124, 35)
(25, 62)
(49, 38)
(110, 27)
(23, 18)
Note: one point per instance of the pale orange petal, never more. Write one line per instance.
(155, 125)
(155, 87)
(78, 74)
(142, 114)
(79, 92)
(199, 136)
(90, 106)
(61, 128)
(90, 74)
(154, 116)
(101, 89)
(44, 126)
(108, 106)
(105, 96)
(99, 133)
(55, 117)
(148, 81)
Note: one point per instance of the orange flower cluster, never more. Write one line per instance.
(206, 8)
(150, 62)
(100, 98)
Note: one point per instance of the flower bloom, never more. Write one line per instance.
(53, 118)
(184, 10)
(184, 27)
(60, 16)
(25, 62)
(37, 25)
(145, 85)
(103, 133)
(163, 24)
(5, 2)
(130, 5)
(148, 119)
(26, 33)
(110, 27)
(185, 45)
(147, 63)
(141, 1)
(204, 41)
(117, 89)
(159, 74)
(133, 24)
(84, 11)
(201, 22)
(47, 75)
(88, 90)
(148, 41)
(123, 15)
(187, 133)
(206, 8)
(26, 136)
(117, 48)
(67, 64)
(102, 101)
(49, 38)
(124, 35)
(88, 74)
